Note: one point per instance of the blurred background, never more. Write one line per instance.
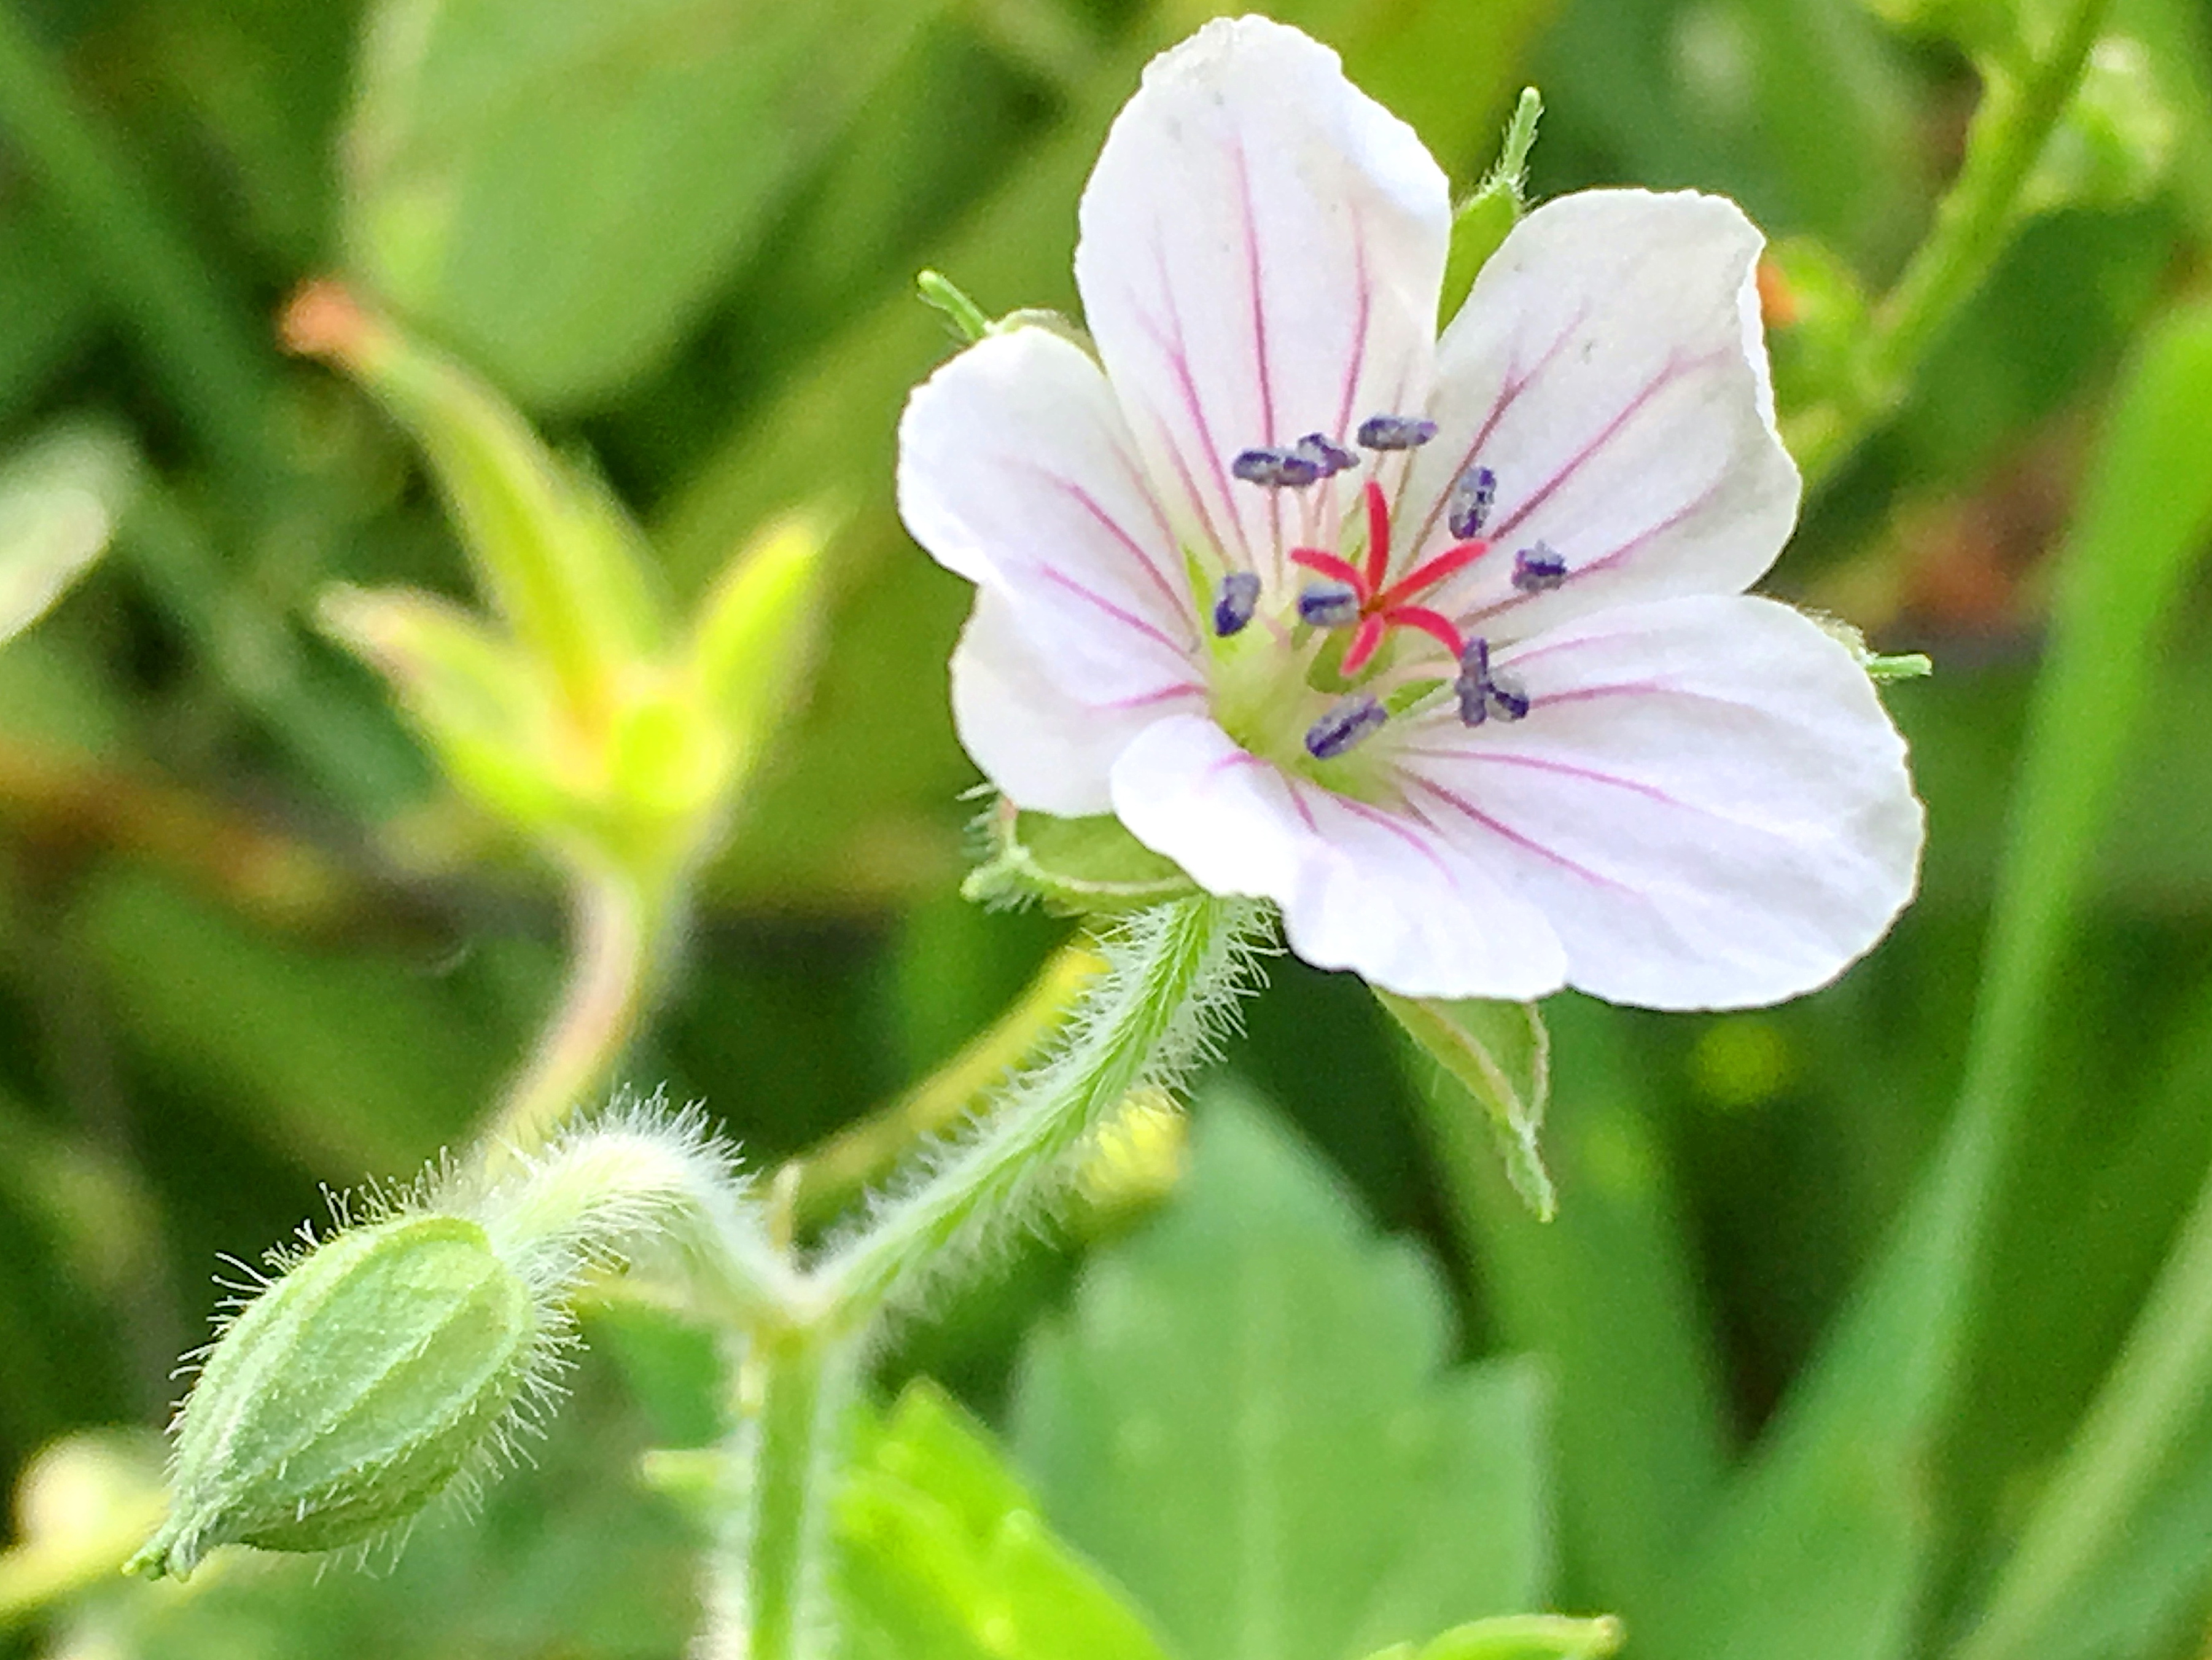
(250, 945)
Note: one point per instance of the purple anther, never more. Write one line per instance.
(1328, 457)
(1468, 508)
(1473, 682)
(1539, 569)
(1329, 603)
(1239, 597)
(1352, 722)
(1507, 699)
(1276, 469)
(1395, 432)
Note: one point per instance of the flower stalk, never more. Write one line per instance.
(1172, 974)
(615, 940)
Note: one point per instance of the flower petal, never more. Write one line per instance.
(1262, 247)
(1017, 471)
(1706, 800)
(1043, 749)
(1360, 888)
(1608, 368)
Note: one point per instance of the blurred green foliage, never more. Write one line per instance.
(1828, 1324)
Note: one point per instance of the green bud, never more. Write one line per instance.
(351, 1392)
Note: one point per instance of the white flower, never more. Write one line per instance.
(1472, 747)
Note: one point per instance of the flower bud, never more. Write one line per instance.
(351, 1392)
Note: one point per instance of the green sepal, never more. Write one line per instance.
(349, 1394)
(1080, 866)
(1502, 1054)
(556, 554)
(482, 708)
(1481, 223)
(756, 635)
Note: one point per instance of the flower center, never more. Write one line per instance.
(1327, 635)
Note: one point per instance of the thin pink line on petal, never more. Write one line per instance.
(1516, 381)
(1364, 302)
(1673, 370)
(1165, 695)
(1562, 769)
(1119, 613)
(1262, 365)
(1090, 504)
(1642, 688)
(1505, 832)
(1607, 561)
(1405, 833)
(1178, 354)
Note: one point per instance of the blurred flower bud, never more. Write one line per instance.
(350, 1393)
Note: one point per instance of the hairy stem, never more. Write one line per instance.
(1170, 975)
(1974, 225)
(842, 1170)
(768, 1596)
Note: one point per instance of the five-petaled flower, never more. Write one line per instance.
(1442, 645)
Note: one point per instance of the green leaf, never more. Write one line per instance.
(1501, 1056)
(1250, 1418)
(1082, 865)
(1827, 1546)
(943, 1556)
(561, 186)
(61, 498)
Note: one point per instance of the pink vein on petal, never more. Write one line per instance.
(1173, 344)
(1165, 695)
(1405, 833)
(1507, 833)
(1260, 364)
(1363, 314)
(1516, 381)
(1671, 371)
(1562, 769)
(1608, 561)
(1084, 499)
(1120, 613)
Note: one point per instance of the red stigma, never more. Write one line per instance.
(1382, 609)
